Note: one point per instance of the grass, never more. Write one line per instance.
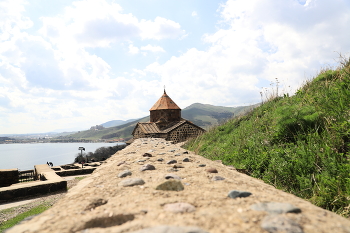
(80, 178)
(36, 210)
(300, 144)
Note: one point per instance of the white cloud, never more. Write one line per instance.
(133, 49)
(160, 28)
(58, 77)
(91, 23)
(194, 14)
(153, 48)
(261, 41)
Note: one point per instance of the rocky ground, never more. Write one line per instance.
(155, 186)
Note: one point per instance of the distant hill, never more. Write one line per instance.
(203, 115)
(4, 139)
(206, 115)
(116, 123)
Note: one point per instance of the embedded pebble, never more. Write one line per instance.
(279, 223)
(217, 178)
(160, 160)
(96, 203)
(171, 229)
(178, 154)
(211, 170)
(202, 165)
(120, 163)
(124, 174)
(140, 161)
(161, 153)
(173, 170)
(275, 207)
(171, 185)
(186, 160)
(171, 150)
(185, 152)
(147, 167)
(147, 155)
(236, 193)
(178, 166)
(150, 151)
(132, 182)
(172, 176)
(171, 161)
(179, 207)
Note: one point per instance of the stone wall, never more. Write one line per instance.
(167, 115)
(75, 172)
(50, 183)
(8, 177)
(155, 186)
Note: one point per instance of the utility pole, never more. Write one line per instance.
(81, 152)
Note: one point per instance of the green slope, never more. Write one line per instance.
(299, 144)
(204, 115)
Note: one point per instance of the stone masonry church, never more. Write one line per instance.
(166, 122)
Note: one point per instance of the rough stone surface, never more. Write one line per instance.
(132, 182)
(124, 174)
(171, 161)
(171, 229)
(147, 167)
(211, 170)
(278, 223)
(121, 163)
(179, 207)
(276, 208)
(172, 176)
(141, 207)
(147, 155)
(171, 185)
(96, 203)
(236, 193)
(217, 178)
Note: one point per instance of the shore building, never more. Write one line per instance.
(166, 122)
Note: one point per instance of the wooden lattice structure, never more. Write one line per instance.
(166, 122)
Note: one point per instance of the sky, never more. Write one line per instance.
(69, 65)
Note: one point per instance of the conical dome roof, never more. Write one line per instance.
(165, 102)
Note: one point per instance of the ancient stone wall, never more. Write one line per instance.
(138, 133)
(183, 133)
(165, 115)
(155, 186)
(8, 177)
(51, 183)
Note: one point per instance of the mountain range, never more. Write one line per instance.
(203, 115)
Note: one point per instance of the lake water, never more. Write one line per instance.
(25, 156)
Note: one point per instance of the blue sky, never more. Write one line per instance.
(73, 64)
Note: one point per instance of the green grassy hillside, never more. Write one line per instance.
(204, 115)
(299, 144)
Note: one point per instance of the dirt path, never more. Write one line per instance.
(122, 197)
